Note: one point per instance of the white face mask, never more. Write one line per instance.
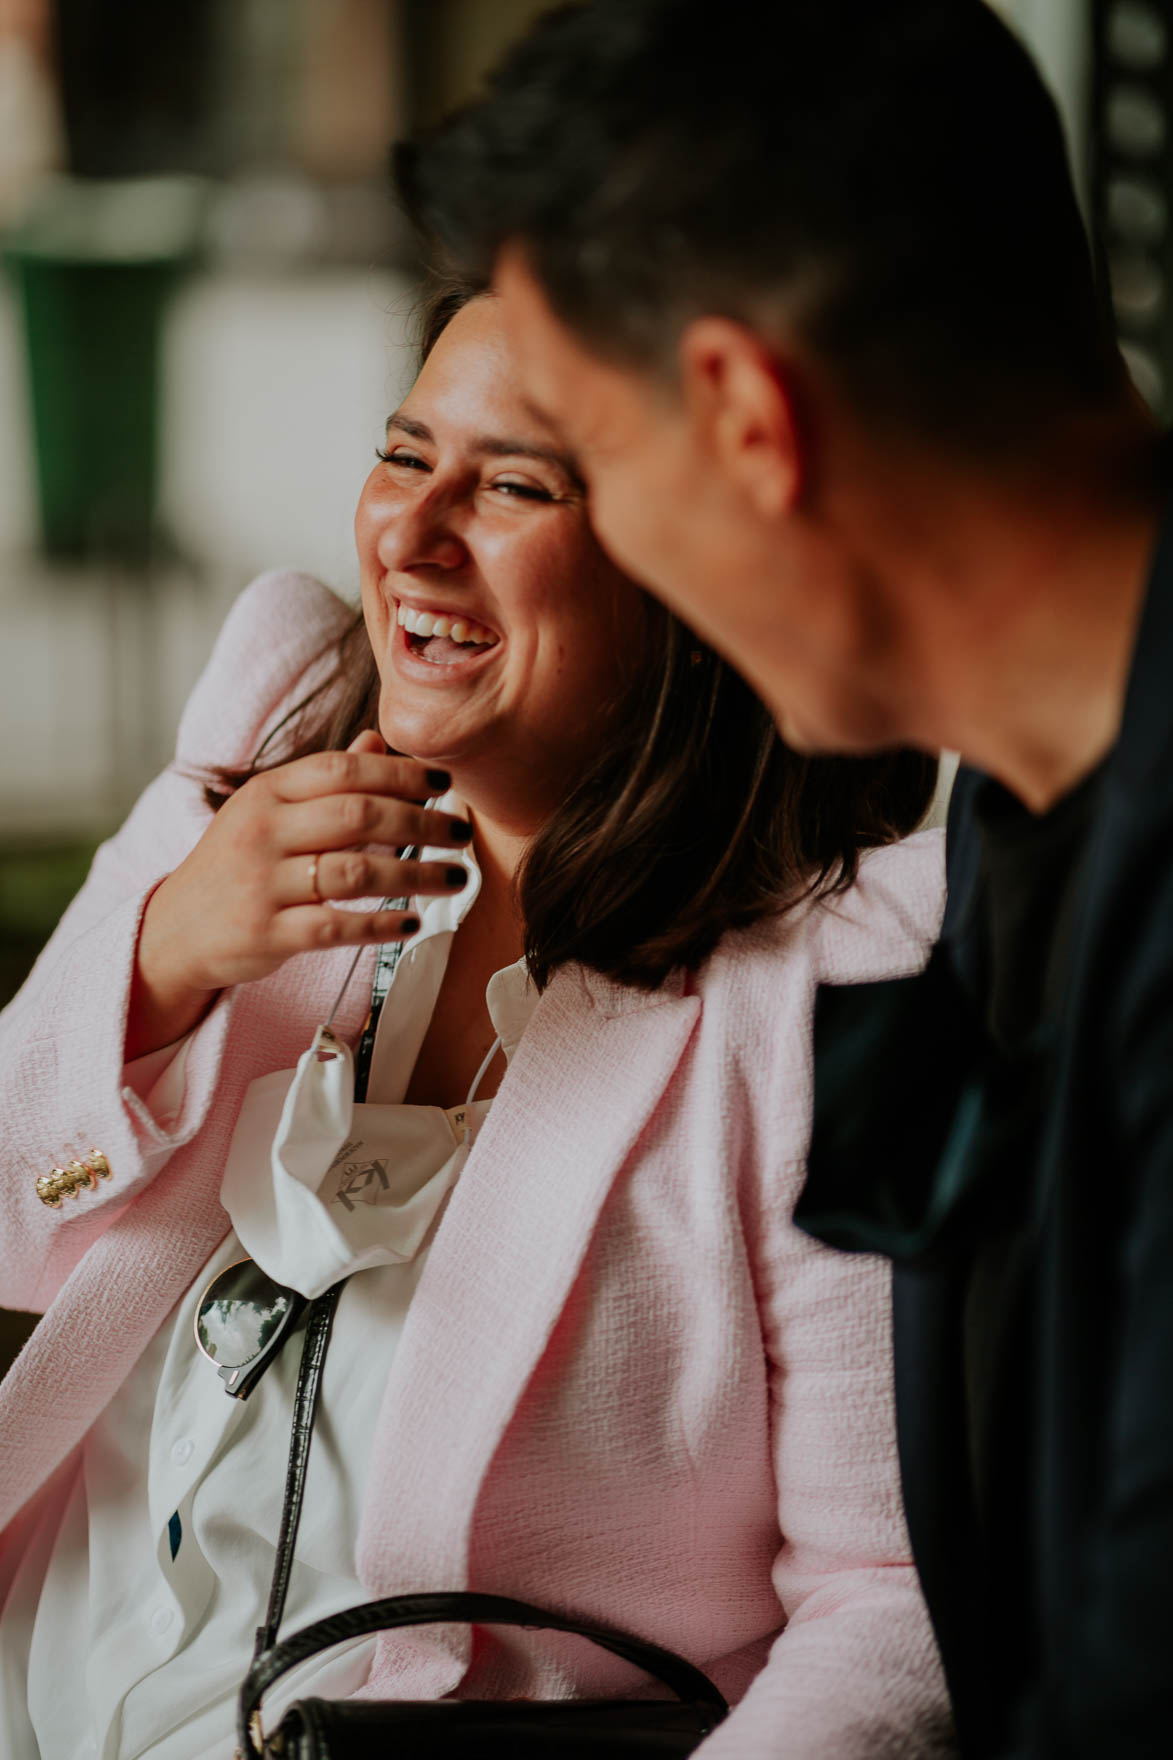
(319, 1185)
(349, 1185)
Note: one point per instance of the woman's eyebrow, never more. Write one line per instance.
(506, 447)
(496, 446)
(405, 425)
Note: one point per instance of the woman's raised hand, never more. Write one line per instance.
(258, 886)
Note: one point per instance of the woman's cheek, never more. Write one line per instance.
(376, 616)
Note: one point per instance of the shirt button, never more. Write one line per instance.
(181, 1452)
(161, 1619)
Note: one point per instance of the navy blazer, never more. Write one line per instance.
(1055, 1624)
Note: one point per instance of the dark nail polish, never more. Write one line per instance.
(411, 925)
(439, 781)
(460, 830)
(456, 876)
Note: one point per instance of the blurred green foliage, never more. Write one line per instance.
(37, 881)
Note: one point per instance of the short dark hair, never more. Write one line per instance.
(691, 817)
(886, 182)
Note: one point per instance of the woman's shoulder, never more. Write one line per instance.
(280, 632)
(882, 926)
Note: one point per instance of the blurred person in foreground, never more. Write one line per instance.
(582, 1354)
(805, 291)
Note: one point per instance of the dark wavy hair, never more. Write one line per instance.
(692, 817)
(887, 184)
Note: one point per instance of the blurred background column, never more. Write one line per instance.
(1132, 176)
(1058, 34)
(31, 143)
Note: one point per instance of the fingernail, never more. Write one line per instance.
(460, 830)
(439, 781)
(456, 876)
(411, 925)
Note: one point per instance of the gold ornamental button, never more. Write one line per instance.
(67, 1182)
(48, 1190)
(54, 1186)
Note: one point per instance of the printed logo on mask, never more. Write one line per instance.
(358, 1181)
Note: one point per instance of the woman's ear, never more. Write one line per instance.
(742, 400)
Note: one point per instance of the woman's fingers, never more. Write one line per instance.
(358, 873)
(307, 927)
(261, 882)
(356, 772)
(342, 821)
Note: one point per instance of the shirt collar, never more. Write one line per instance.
(511, 997)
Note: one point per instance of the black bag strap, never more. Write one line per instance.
(465, 1607)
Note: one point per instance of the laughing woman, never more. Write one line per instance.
(581, 1355)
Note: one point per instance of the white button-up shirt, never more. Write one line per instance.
(133, 1625)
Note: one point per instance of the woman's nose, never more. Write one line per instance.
(421, 533)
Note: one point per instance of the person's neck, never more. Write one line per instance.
(1021, 611)
(500, 842)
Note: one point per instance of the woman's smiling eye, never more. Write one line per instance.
(522, 491)
(409, 460)
(403, 458)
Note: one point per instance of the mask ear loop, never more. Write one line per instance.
(476, 1082)
(408, 854)
(385, 904)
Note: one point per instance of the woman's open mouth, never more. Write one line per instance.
(441, 639)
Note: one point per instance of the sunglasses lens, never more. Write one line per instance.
(239, 1314)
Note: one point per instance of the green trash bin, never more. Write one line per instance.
(94, 265)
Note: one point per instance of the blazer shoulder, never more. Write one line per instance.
(278, 636)
(882, 926)
(895, 905)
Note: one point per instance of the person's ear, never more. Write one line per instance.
(742, 401)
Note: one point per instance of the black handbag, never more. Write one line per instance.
(321, 1729)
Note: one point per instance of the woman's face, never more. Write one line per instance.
(501, 632)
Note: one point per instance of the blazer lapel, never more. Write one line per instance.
(591, 1067)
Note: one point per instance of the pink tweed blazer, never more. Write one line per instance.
(627, 1385)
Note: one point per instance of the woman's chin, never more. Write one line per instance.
(438, 754)
(422, 740)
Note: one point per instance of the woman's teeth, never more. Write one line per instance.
(457, 629)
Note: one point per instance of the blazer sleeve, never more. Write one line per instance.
(64, 1089)
(855, 1674)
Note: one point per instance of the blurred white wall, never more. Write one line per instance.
(275, 395)
(275, 390)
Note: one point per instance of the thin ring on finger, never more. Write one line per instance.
(315, 889)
